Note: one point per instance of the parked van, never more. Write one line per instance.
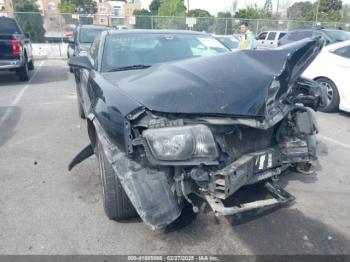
(269, 39)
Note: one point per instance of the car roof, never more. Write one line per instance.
(316, 29)
(150, 31)
(94, 26)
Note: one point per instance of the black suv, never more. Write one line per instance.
(15, 49)
(329, 35)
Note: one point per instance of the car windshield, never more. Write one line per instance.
(87, 35)
(229, 42)
(136, 51)
(338, 35)
(9, 26)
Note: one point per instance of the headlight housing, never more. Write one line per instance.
(186, 144)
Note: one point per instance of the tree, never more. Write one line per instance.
(346, 13)
(67, 7)
(78, 6)
(268, 8)
(172, 8)
(223, 24)
(31, 23)
(252, 12)
(299, 10)
(329, 11)
(143, 19)
(154, 7)
(205, 20)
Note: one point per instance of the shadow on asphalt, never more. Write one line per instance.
(276, 231)
(7, 129)
(345, 114)
(46, 76)
(9, 78)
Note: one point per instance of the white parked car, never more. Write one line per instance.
(269, 39)
(332, 69)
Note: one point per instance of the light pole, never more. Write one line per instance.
(188, 5)
(317, 10)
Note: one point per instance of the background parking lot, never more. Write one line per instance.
(44, 209)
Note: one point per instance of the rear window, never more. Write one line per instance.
(9, 26)
(298, 35)
(87, 35)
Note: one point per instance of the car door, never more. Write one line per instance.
(88, 75)
(261, 40)
(270, 40)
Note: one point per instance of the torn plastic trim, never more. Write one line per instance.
(147, 188)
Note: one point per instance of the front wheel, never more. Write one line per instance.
(116, 203)
(23, 72)
(333, 99)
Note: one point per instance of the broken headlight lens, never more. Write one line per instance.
(182, 143)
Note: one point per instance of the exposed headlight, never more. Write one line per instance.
(182, 143)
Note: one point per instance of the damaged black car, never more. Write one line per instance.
(208, 124)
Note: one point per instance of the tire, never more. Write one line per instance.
(333, 98)
(116, 203)
(31, 64)
(23, 72)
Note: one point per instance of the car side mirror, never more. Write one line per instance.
(27, 35)
(80, 62)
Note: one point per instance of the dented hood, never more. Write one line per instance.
(242, 83)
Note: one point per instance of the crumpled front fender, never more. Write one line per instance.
(148, 188)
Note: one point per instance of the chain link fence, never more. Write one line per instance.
(55, 28)
(58, 27)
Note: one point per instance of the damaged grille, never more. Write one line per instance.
(245, 140)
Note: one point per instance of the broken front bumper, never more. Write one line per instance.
(280, 197)
(257, 166)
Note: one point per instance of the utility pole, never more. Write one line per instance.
(317, 10)
(278, 6)
(188, 5)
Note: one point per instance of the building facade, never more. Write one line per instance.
(6, 8)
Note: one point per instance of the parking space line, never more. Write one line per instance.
(334, 141)
(19, 95)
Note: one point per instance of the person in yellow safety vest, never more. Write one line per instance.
(246, 39)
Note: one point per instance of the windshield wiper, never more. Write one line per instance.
(131, 67)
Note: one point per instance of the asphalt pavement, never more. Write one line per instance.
(44, 209)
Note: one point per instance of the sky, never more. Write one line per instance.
(215, 6)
